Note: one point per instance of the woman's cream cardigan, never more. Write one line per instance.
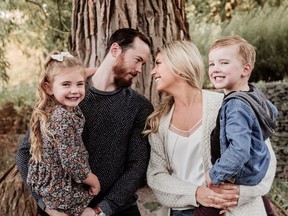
(173, 192)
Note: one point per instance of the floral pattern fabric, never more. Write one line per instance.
(58, 177)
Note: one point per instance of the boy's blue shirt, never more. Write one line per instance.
(244, 154)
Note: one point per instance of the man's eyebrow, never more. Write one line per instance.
(140, 58)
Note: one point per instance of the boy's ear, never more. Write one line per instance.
(247, 70)
(115, 49)
(48, 88)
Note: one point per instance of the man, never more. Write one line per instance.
(115, 117)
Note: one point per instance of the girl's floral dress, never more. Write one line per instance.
(64, 165)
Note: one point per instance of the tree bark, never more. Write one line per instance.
(93, 21)
(15, 198)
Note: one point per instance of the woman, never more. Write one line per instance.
(179, 133)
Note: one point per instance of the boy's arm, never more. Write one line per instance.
(238, 128)
(250, 192)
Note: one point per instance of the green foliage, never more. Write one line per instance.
(218, 11)
(266, 28)
(20, 96)
(40, 23)
(279, 194)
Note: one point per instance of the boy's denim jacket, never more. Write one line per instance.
(244, 153)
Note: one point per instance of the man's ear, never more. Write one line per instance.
(115, 50)
(247, 70)
(48, 88)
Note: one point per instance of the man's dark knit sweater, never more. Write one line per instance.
(118, 152)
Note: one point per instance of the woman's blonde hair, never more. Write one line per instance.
(40, 116)
(184, 59)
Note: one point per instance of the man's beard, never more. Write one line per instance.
(120, 72)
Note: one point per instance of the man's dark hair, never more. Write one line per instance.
(125, 38)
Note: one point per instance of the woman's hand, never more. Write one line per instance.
(88, 212)
(53, 212)
(227, 188)
(209, 198)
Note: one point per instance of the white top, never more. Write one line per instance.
(186, 156)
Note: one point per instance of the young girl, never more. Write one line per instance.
(59, 162)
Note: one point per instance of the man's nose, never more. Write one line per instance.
(139, 68)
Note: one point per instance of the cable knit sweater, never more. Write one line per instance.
(173, 192)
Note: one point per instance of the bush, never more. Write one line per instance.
(265, 28)
(20, 96)
(15, 108)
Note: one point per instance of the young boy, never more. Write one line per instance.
(246, 118)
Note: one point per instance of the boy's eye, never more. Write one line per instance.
(225, 62)
(65, 84)
(211, 64)
(80, 84)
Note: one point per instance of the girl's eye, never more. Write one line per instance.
(224, 63)
(157, 62)
(211, 64)
(80, 84)
(65, 84)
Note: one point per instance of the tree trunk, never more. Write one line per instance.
(15, 198)
(94, 21)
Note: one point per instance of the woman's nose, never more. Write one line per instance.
(153, 71)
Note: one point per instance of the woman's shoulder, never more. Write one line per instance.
(212, 98)
(213, 94)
